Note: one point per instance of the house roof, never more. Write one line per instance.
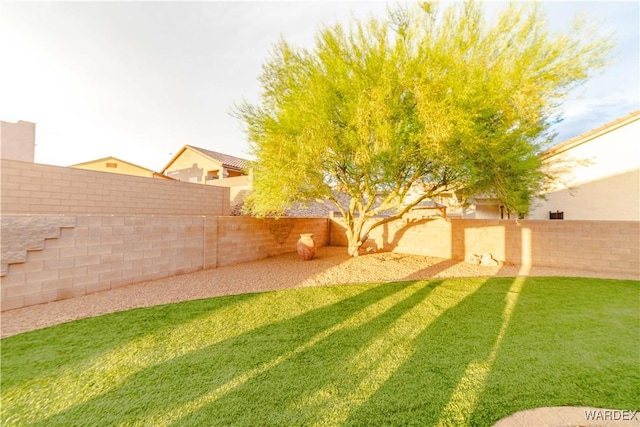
(428, 204)
(104, 159)
(227, 161)
(592, 134)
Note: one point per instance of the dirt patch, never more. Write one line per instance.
(331, 266)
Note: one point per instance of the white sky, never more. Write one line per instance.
(138, 80)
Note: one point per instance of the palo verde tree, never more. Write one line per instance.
(390, 112)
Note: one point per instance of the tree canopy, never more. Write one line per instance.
(397, 110)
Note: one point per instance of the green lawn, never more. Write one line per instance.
(440, 352)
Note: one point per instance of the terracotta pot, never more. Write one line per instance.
(306, 247)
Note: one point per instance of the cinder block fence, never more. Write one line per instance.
(31, 188)
(603, 246)
(56, 257)
(69, 232)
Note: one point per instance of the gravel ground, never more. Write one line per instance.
(331, 266)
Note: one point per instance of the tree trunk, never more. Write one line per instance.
(354, 237)
(352, 242)
(354, 249)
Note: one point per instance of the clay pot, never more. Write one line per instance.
(306, 247)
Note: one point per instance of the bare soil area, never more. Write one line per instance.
(331, 266)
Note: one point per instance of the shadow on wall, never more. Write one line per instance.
(237, 202)
(192, 174)
(391, 239)
(603, 246)
(437, 237)
(507, 242)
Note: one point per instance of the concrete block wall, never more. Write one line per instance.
(242, 239)
(29, 188)
(90, 253)
(583, 245)
(100, 253)
(27, 233)
(607, 246)
(414, 235)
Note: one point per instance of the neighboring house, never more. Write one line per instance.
(598, 175)
(478, 207)
(239, 188)
(198, 165)
(114, 165)
(447, 204)
(597, 178)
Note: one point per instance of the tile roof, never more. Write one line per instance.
(315, 208)
(226, 160)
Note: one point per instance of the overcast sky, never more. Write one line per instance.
(138, 80)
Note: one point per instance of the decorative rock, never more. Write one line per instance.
(488, 261)
(473, 259)
(370, 246)
(306, 247)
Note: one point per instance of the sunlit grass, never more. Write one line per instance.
(451, 352)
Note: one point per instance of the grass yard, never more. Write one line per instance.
(441, 352)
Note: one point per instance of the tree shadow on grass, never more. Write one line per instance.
(306, 387)
(170, 387)
(571, 342)
(432, 270)
(419, 391)
(71, 344)
(332, 360)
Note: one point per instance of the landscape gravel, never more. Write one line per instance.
(331, 266)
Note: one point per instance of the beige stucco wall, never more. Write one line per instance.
(484, 209)
(193, 166)
(18, 141)
(123, 168)
(487, 211)
(236, 181)
(599, 179)
(239, 188)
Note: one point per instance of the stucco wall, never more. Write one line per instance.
(191, 166)
(580, 245)
(598, 179)
(239, 189)
(236, 181)
(95, 253)
(42, 189)
(121, 167)
(486, 211)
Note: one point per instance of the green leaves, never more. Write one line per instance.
(428, 94)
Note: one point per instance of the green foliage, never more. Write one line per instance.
(426, 96)
(462, 352)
